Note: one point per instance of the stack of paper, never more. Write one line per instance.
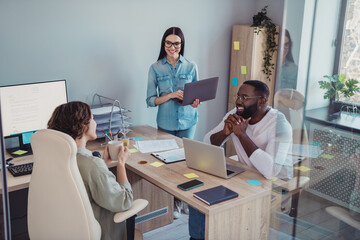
(155, 145)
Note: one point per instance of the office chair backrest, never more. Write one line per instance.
(58, 204)
(291, 103)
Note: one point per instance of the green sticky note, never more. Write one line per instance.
(133, 150)
(236, 45)
(302, 168)
(243, 70)
(327, 156)
(137, 138)
(19, 152)
(235, 81)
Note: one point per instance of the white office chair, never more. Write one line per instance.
(58, 204)
(343, 215)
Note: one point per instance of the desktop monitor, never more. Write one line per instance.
(26, 108)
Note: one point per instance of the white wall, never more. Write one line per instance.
(106, 47)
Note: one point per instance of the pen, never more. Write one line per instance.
(110, 133)
(9, 159)
(117, 132)
(108, 137)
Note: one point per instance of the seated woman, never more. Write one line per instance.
(107, 195)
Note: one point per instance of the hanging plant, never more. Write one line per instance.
(260, 21)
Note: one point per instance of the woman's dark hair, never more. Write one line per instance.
(289, 55)
(71, 118)
(176, 31)
(260, 87)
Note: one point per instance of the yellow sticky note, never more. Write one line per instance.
(243, 70)
(133, 150)
(274, 179)
(19, 152)
(327, 156)
(236, 45)
(191, 175)
(303, 168)
(157, 164)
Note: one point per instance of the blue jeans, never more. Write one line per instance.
(196, 224)
(188, 133)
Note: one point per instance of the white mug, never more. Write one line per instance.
(114, 149)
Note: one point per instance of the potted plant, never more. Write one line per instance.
(336, 86)
(262, 21)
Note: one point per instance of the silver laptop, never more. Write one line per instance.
(203, 90)
(208, 158)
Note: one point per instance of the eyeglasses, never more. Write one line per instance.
(245, 98)
(176, 45)
(287, 45)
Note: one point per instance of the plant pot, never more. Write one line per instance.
(334, 110)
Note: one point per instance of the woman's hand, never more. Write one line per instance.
(196, 103)
(106, 156)
(178, 94)
(123, 155)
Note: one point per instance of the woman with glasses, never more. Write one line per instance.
(289, 70)
(166, 81)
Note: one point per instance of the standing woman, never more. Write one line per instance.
(166, 81)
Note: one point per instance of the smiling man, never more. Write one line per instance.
(261, 135)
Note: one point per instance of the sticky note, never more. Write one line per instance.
(191, 175)
(316, 143)
(327, 156)
(137, 138)
(274, 179)
(253, 182)
(26, 137)
(243, 70)
(302, 168)
(235, 81)
(157, 164)
(172, 158)
(133, 150)
(19, 152)
(236, 45)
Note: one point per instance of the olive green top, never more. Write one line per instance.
(106, 195)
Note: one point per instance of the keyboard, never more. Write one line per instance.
(19, 170)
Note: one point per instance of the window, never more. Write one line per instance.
(349, 56)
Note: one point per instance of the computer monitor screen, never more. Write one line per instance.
(28, 107)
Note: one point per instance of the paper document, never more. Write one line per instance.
(306, 150)
(155, 145)
(301, 150)
(107, 110)
(171, 156)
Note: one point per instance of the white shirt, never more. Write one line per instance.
(267, 135)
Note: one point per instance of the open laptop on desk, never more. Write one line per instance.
(208, 158)
(203, 90)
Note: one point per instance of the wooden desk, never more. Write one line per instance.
(245, 217)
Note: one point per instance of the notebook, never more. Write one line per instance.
(208, 158)
(203, 90)
(215, 195)
(171, 156)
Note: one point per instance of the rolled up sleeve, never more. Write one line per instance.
(151, 88)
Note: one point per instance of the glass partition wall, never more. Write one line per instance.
(322, 200)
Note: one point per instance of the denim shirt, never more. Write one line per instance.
(288, 75)
(164, 79)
